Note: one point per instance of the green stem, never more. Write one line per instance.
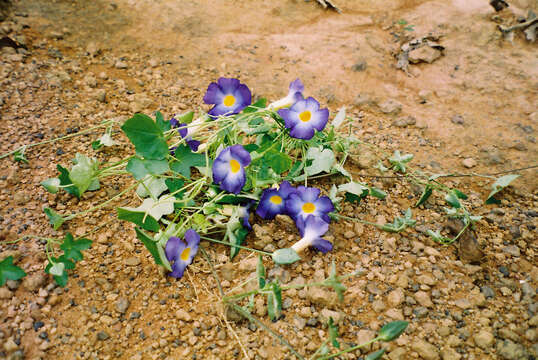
(247, 315)
(106, 123)
(350, 349)
(237, 246)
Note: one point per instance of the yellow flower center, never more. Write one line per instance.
(309, 208)
(185, 254)
(235, 166)
(305, 116)
(275, 199)
(229, 100)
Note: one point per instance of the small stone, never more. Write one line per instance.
(248, 264)
(320, 296)
(13, 284)
(395, 314)
(183, 315)
(510, 350)
(423, 298)
(359, 65)
(325, 314)
(425, 349)
(512, 250)
(484, 339)
(132, 261)
(390, 107)
(457, 119)
(404, 121)
(100, 95)
(5, 293)
(378, 306)
(396, 297)
(34, 282)
(121, 65)
(102, 336)
(10, 345)
(122, 304)
(469, 163)
(398, 354)
(488, 292)
(420, 312)
(425, 54)
(350, 234)
(463, 303)
(447, 353)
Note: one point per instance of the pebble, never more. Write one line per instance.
(34, 282)
(469, 163)
(183, 315)
(363, 336)
(488, 292)
(425, 54)
(484, 339)
(10, 345)
(122, 304)
(463, 303)
(423, 298)
(121, 65)
(448, 353)
(396, 297)
(425, 349)
(512, 250)
(404, 121)
(5, 293)
(100, 95)
(132, 261)
(510, 350)
(360, 65)
(390, 106)
(457, 119)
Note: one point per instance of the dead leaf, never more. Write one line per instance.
(469, 248)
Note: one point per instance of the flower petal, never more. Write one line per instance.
(234, 182)
(214, 94)
(302, 131)
(319, 119)
(296, 86)
(174, 246)
(228, 85)
(178, 268)
(239, 153)
(322, 245)
(220, 170)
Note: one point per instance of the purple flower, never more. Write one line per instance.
(182, 252)
(228, 95)
(273, 201)
(312, 229)
(229, 168)
(306, 201)
(304, 117)
(245, 214)
(295, 94)
(183, 131)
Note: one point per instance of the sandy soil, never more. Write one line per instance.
(474, 109)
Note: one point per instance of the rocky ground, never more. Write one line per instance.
(473, 108)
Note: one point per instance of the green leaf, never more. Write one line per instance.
(142, 167)
(96, 144)
(151, 245)
(185, 159)
(19, 156)
(55, 219)
(66, 182)
(161, 123)
(8, 271)
(139, 218)
(452, 199)
(261, 103)
(498, 185)
(73, 248)
(322, 160)
(83, 172)
(459, 194)
(399, 161)
(237, 237)
(333, 333)
(151, 186)
(185, 118)
(354, 192)
(146, 136)
(375, 355)
(378, 193)
(392, 330)
(380, 166)
(271, 306)
(285, 256)
(60, 266)
(437, 237)
(51, 185)
(278, 161)
(260, 271)
(426, 193)
(400, 223)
